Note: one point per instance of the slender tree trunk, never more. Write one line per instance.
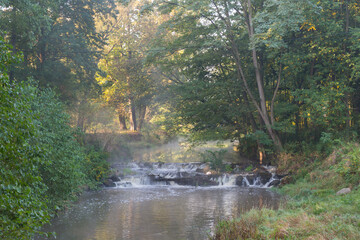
(260, 106)
(80, 121)
(274, 96)
(347, 16)
(297, 118)
(133, 122)
(13, 42)
(260, 147)
(347, 101)
(81, 118)
(260, 85)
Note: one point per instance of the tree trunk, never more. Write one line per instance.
(13, 36)
(142, 113)
(122, 122)
(133, 122)
(260, 106)
(80, 121)
(259, 81)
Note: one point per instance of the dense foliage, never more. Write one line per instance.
(268, 73)
(42, 164)
(60, 43)
(22, 206)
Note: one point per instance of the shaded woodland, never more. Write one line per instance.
(276, 76)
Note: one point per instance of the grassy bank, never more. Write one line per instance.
(312, 209)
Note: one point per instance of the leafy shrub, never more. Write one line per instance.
(249, 168)
(62, 168)
(42, 165)
(96, 166)
(349, 165)
(23, 210)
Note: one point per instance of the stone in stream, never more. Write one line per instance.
(115, 178)
(185, 178)
(197, 180)
(109, 183)
(239, 181)
(242, 180)
(274, 183)
(263, 174)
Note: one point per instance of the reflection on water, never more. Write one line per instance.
(156, 212)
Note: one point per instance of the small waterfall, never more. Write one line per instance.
(274, 180)
(258, 182)
(147, 174)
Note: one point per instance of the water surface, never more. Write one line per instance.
(156, 212)
(153, 210)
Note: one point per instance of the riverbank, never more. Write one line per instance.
(314, 209)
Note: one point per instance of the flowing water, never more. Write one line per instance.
(159, 201)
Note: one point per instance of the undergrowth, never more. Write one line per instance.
(312, 209)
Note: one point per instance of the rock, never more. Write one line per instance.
(197, 180)
(343, 191)
(125, 184)
(115, 178)
(286, 180)
(251, 179)
(264, 175)
(109, 183)
(203, 169)
(239, 181)
(274, 183)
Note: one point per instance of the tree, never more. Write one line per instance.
(60, 43)
(292, 79)
(129, 84)
(227, 27)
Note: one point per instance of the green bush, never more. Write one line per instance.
(349, 165)
(42, 165)
(62, 168)
(23, 209)
(96, 166)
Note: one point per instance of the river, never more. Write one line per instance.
(157, 211)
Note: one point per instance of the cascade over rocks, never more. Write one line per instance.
(260, 177)
(190, 174)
